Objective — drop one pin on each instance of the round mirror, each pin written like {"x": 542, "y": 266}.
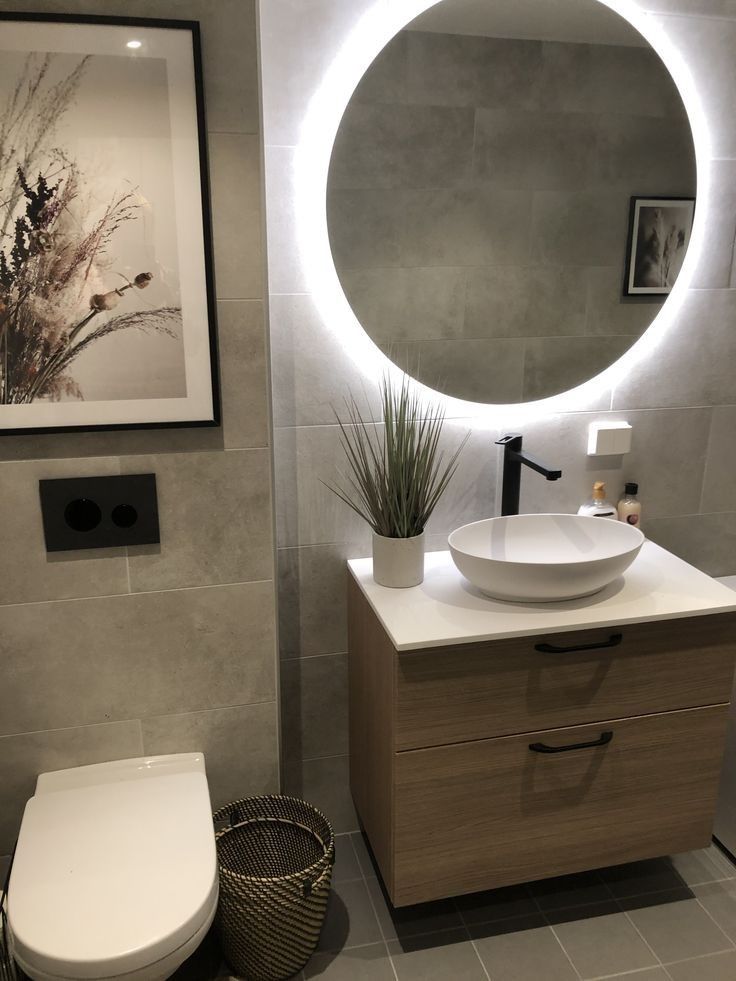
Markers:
{"x": 510, "y": 195}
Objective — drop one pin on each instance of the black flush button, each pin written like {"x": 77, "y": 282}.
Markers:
{"x": 99, "y": 512}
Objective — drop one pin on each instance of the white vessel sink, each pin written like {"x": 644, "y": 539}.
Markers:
{"x": 543, "y": 558}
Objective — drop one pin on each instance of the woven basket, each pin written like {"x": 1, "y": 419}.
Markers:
{"x": 275, "y": 856}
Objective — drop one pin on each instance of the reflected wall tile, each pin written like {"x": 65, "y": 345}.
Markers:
{"x": 239, "y": 746}
{"x": 324, "y": 783}
{"x": 537, "y": 150}
{"x": 88, "y": 661}
{"x": 311, "y": 371}
{"x": 456, "y": 70}
{"x": 385, "y": 79}
{"x": 314, "y": 707}
{"x": 557, "y": 364}
{"x": 201, "y": 543}
{"x": 366, "y": 228}
{"x": 480, "y": 226}
{"x": 235, "y": 164}
{"x": 23, "y": 757}
{"x": 313, "y": 583}
{"x": 719, "y": 486}
{"x": 563, "y": 232}
{"x": 28, "y": 573}
{"x": 485, "y": 370}
{"x": 609, "y": 311}
{"x": 693, "y": 365}
{"x": 243, "y": 373}
{"x": 524, "y": 301}
{"x": 716, "y": 267}
{"x": 707, "y": 541}
{"x": 630, "y": 149}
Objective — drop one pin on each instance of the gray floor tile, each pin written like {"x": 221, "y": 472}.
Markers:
{"x": 369, "y": 963}
{"x": 522, "y": 950}
{"x": 719, "y": 899}
{"x": 496, "y": 904}
{"x": 719, "y": 967}
{"x": 650, "y": 974}
{"x": 639, "y": 878}
{"x": 436, "y": 958}
{"x": 569, "y": 890}
{"x": 350, "y": 920}
{"x": 601, "y": 940}
{"x": 700, "y": 866}
{"x": 674, "y": 926}
{"x": 362, "y": 850}
{"x": 722, "y": 861}
{"x": 347, "y": 866}
{"x": 412, "y": 921}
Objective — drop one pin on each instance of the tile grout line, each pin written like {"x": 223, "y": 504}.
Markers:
{"x": 545, "y": 919}
{"x": 717, "y": 925}
{"x": 644, "y": 939}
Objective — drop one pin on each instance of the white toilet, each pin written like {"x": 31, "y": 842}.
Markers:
{"x": 115, "y": 872}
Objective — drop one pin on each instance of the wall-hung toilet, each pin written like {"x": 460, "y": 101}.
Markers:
{"x": 115, "y": 872}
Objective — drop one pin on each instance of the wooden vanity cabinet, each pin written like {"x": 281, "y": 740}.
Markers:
{"x": 452, "y": 795}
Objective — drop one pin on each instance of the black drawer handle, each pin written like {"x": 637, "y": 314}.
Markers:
{"x": 605, "y": 738}
{"x": 613, "y": 641}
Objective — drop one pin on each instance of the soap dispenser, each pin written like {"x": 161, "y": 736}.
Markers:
{"x": 598, "y": 506}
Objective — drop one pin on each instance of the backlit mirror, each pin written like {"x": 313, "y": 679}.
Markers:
{"x": 510, "y": 195}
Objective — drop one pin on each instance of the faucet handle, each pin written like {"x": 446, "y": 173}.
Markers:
{"x": 510, "y": 438}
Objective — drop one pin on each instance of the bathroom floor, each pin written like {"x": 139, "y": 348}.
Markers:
{"x": 670, "y": 919}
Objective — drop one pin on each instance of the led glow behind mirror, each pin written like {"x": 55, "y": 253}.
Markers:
{"x": 368, "y": 37}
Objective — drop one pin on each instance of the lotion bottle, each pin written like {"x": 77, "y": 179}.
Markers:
{"x": 629, "y": 507}
{"x": 598, "y": 506}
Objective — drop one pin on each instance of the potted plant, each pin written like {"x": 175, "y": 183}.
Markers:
{"x": 397, "y": 474}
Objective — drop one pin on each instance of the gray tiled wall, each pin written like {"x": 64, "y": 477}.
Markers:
{"x": 681, "y": 400}
{"x": 490, "y": 182}
{"x": 106, "y": 655}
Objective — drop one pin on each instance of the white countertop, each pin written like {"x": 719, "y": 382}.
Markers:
{"x": 446, "y": 609}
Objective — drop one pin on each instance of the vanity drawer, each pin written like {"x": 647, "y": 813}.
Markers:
{"x": 493, "y": 812}
{"x": 453, "y": 694}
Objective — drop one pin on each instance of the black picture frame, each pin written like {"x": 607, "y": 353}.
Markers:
{"x": 658, "y": 238}
{"x": 191, "y": 27}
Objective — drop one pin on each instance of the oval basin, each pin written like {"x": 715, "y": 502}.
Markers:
{"x": 544, "y": 558}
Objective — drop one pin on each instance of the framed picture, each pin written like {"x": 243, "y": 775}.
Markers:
{"x": 106, "y": 298}
{"x": 659, "y": 234}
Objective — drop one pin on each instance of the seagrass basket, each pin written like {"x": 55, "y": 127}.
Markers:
{"x": 275, "y": 856}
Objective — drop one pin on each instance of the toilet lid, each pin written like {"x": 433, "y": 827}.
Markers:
{"x": 109, "y": 879}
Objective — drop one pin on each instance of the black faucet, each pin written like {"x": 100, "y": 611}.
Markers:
{"x": 513, "y": 458}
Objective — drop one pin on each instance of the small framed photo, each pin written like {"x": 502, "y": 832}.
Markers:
{"x": 106, "y": 296}
{"x": 659, "y": 235}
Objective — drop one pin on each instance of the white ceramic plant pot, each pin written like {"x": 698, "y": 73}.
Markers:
{"x": 398, "y": 562}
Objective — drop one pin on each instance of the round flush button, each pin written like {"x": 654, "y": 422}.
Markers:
{"x": 82, "y": 514}
{"x": 124, "y": 515}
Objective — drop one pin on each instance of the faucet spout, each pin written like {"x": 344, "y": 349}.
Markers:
{"x": 513, "y": 460}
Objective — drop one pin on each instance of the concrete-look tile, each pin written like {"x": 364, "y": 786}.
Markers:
{"x": 23, "y": 757}
{"x": 243, "y": 373}
{"x": 369, "y": 963}
{"x": 326, "y": 784}
{"x": 452, "y": 70}
{"x": 524, "y": 301}
{"x": 313, "y": 583}
{"x": 314, "y": 707}
{"x": 675, "y": 928}
{"x": 485, "y": 370}
{"x": 407, "y": 304}
{"x": 717, "y": 967}
{"x": 563, "y": 232}
{"x": 707, "y": 46}
{"x": 203, "y": 542}
{"x": 236, "y": 215}
{"x": 383, "y": 146}
{"x": 368, "y": 865}
{"x": 557, "y": 364}
{"x": 707, "y": 541}
{"x": 496, "y": 904}
{"x": 366, "y": 230}
{"x": 411, "y": 921}
{"x": 702, "y": 866}
{"x": 541, "y": 151}
{"x": 601, "y": 941}
{"x": 522, "y": 950}
{"x": 564, "y": 891}
{"x": 609, "y": 311}
{"x": 640, "y": 151}
{"x": 719, "y": 899}
{"x": 240, "y": 746}
{"x": 347, "y": 867}
{"x": 479, "y": 226}
{"x": 704, "y": 8}
{"x": 385, "y": 78}
{"x": 130, "y": 657}
{"x": 350, "y": 920}
{"x": 27, "y": 572}
{"x": 436, "y": 958}
{"x": 649, "y": 974}
{"x": 285, "y": 271}
{"x": 692, "y": 365}
{"x": 471, "y": 493}
{"x": 304, "y": 393}
{"x": 719, "y": 482}
{"x": 640, "y": 878}
{"x": 716, "y": 267}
